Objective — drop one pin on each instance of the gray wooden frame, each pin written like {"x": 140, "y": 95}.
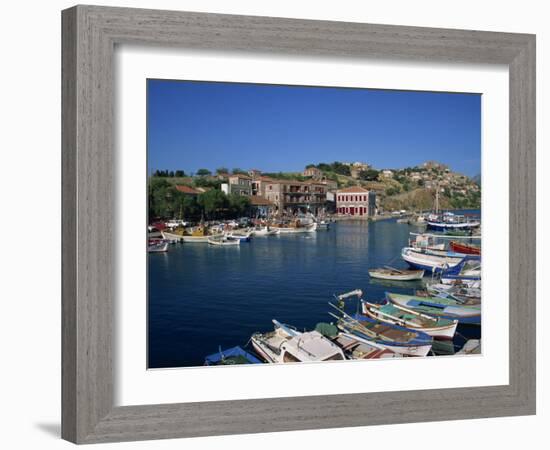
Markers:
{"x": 89, "y": 36}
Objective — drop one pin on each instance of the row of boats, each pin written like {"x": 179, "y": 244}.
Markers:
{"x": 399, "y": 325}
{"x": 386, "y": 330}
{"x": 223, "y": 234}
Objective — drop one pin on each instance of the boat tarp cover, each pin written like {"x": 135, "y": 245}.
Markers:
{"x": 327, "y": 329}
{"x": 393, "y": 311}
{"x": 235, "y": 355}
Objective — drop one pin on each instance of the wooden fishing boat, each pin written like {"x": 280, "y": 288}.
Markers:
{"x": 457, "y": 292}
{"x": 437, "y": 327}
{"x": 396, "y": 338}
{"x": 231, "y": 356}
{"x": 428, "y": 262}
{"x": 352, "y": 348}
{"x": 446, "y": 308}
{"x": 198, "y": 235}
{"x": 223, "y": 241}
{"x": 286, "y": 345}
{"x": 451, "y": 222}
{"x": 393, "y": 337}
{"x": 464, "y": 248}
{"x": 355, "y": 349}
{"x": 390, "y": 273}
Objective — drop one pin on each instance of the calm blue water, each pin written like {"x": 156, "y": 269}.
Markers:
{"x": 202, "y": 297}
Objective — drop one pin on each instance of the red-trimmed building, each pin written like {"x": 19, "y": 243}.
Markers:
{"x": 355, "y": 201}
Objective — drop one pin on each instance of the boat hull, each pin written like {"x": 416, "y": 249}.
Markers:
{"x": 417, "y": 275}
{"x": 438, "y": 308}
{"x": 444, "y": 226}
{"x": 446, "y": 332}
{"x": 464, "y": 248}
{"x": 428, "y": 262}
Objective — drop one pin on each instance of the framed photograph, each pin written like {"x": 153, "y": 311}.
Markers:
{"x": 277, "y": 224}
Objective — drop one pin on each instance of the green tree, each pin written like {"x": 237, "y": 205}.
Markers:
{"x": 203, "y": 172}
{"x": 161, "y": 197}
{"x": 369, "y": 175}
{"x": 214, "y": 203}
{"x": 238, "y": 171}
{"x": 222, "y": 170}
{"x": 341, "y": 169}
{"x": 180, "y": 173}
{"x": 238, "y": 205}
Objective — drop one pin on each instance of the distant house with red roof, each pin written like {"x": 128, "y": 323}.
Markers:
{"x": 355, "y": 201}
{"x": 187, "y": 190}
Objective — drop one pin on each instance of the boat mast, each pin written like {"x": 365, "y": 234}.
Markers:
{"x": 436, "y": 205}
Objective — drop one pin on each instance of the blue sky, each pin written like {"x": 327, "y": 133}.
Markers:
{"x": 194, "y": 125}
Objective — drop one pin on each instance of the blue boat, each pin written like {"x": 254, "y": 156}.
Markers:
{"x": 468, "y": 270}
{"x": 393, "y": 337}
{"x": 231, "y": 356}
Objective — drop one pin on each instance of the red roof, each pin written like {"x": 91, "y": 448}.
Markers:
{"x": 187, "y": 189}
{"x": 352, "y": 189}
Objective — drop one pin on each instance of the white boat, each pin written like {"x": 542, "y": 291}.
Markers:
{"x": 429, "y": 262}
{"x": 223, "y": 241}
{"x": 323, "y": 225}
{"x": 426, "y": 241}
{"x": 157, "y": 247}
{"x": 453, "y": 290}
{"x": 285, "y": 345}
{"x": 241, "y": 235}
{"x": 436, "y": 327}
{"x": 473, "y": 284}
{"x": 354, "y": 349}
{"x": 265, "y": 231}
{"x": 389, "y": 273}
{"x": 302, "y": 229}
{"x": 471, "y": 347}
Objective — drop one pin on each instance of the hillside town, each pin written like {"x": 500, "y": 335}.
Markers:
{"x": 354, "y": 189}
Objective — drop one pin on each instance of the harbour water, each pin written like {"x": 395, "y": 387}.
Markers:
{"x": 203, "y": 297}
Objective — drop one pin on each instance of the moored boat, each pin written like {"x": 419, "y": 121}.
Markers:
{"x": 298, "y": 229}
{"x": 396, "y": 338}
{"x": 428, "y": 262}
{"x": 355, "y": 349}
{"x": 471, "y": 347}
{"x": 464, "y": 248}
{"x": 231, "y": 356}
{"x": 285, "y": 345}
{"x": 243, "y": 236}
{"x": 437, "y": 327}
{"x": 265, "y": 231}
{"x": 157, "y": 247}
{"x": 446, "y": 308}
{"x": 223, "y": 241}
{"x": 390, "y": 273}
{"x": 393, "y": 337}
